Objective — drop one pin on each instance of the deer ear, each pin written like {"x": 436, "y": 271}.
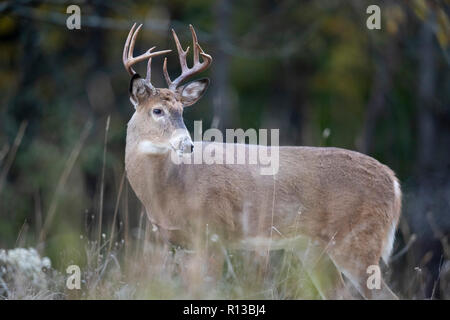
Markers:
{"x": 190, "y": 93}
{"x": 139, "y": 90}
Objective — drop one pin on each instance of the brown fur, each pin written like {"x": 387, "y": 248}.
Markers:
{"x": 343, "y": 199}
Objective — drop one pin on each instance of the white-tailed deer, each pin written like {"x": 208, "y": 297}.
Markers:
{"x": 347, "y": 203}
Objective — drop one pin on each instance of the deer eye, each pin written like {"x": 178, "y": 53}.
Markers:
{"x": 157, "y": 111}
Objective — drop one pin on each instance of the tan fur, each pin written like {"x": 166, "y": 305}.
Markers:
{"x": 341, "y": 198}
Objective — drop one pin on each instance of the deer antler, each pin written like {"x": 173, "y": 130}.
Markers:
{"x": 187, "y": 72}
{"x": 129, "y": 60}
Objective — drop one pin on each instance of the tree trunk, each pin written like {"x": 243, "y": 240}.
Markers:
{"x": 221, "y": 97}
{"x": 426, "y": 91}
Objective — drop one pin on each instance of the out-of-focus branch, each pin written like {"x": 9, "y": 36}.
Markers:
{"x": 425, "y": 98}
{"x": 91, "y": 21}
{"x": 221, "y": 94}
{"x": 12, "y": 154}
{"x": 161, "y": 27}
{"x": 381, "y": 87}
{"x": 63, "y": 179}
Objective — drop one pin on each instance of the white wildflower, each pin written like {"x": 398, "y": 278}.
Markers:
{"x": 22, "y": 267}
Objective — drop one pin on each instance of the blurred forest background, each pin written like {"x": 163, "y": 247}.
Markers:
{"x": 311, "y": 68}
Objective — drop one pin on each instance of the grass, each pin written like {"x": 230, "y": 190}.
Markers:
{"x": 142, "y": 269}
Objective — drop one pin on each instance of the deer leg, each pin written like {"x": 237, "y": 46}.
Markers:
{"x": 215, "y": 260}
{"x": 328, "y": 280}
{"x": 360, "y": 281}
{"x": 323, "y": 273}
{"x": 361, "y": 267}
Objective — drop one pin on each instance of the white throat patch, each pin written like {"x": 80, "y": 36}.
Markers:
{"x": 148, "y": 147}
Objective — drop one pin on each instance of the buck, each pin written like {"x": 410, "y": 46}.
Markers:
{"x": 337, "y": 207}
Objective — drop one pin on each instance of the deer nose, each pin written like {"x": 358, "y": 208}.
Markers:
{"x": 186, "y": 145}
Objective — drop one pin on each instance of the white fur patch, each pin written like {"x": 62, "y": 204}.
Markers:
{"x": 397, "y": 191}
{"x": 133, "y": 102}
{"x": 193, "y": 90}
{"x": 159, "y": 117}
{"x": 148, "y": 147}
{"x": 389, "y": 244}
{"x": 178, "y": 136}
{"x": 387, "y": 250}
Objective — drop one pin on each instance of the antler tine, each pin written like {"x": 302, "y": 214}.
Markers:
{"x": 126, "y": 48}
{"x": 207, "y": 57}
{"x": 166, "y": 74}
{"x": 129, "y": 60}
{"x": 149, "y": 70}
{"x": 187, "y": 72}
{"x": 181, "y": 53}
{"x": 195, "y": 42}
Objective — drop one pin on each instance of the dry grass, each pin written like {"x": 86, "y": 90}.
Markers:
{"x": 144, "y": 269}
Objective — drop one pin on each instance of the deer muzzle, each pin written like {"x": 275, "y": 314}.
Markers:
{"x": 181, "y": 141}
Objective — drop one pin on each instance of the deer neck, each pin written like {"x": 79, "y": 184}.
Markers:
{"x": 147, "y": 174}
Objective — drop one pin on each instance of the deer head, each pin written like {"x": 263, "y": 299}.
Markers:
{"x": 158, "y": 116}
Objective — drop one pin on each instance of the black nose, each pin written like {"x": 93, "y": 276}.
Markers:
{"x": 192, "y": 148}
